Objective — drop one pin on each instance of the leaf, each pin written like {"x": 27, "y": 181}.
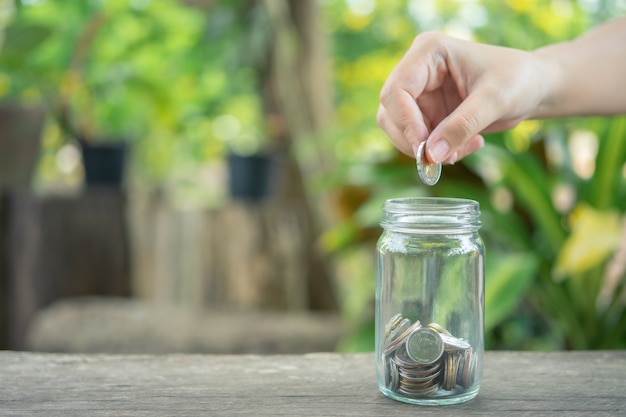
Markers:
{"x": 19, "y": 39}
{"x": 595, "y": 236}
{"x": 508, "y": 277}
{"x": 502, "y": 226}
{"x": 527, "y": 179}
{"x": 611, "y": 154}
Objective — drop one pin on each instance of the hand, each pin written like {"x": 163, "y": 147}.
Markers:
{"x": 449, "y": 91}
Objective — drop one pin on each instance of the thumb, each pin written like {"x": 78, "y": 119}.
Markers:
{"x": 452, "y": 134}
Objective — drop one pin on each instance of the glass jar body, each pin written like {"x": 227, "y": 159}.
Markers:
{"x": 429, "y": 301}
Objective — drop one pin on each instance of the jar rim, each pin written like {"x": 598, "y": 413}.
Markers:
{"x": 429, "y": 203}
{"x": 431, "y": 215}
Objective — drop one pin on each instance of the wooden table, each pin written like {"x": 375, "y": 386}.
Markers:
{"x": 515, "y": 384}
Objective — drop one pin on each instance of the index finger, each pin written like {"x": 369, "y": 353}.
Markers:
{"x": 403, "y": 114}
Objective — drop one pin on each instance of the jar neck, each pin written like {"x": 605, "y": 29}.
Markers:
{"x": 431, "y": 215}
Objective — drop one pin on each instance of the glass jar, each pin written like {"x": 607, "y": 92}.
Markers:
{"x": 429, "y": 301}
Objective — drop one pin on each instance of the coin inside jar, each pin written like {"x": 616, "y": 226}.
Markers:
{"x": 429, "y": 173}
{"x": 439, "y": 329}
{"x": 397, "y": 341}
{"x": 399, "y": 330}
{"x": 452, "y": 343}
{"x": 393, "y": 323}
{"x": 420, "y": 362}
{"x": 424, "y": 345}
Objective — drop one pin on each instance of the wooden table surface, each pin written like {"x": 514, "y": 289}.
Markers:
{"x": 324, "y": 384}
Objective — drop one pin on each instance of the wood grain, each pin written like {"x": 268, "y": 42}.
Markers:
{"x": 325, "y": 384}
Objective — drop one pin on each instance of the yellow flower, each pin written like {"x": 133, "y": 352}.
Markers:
{"x": 594, "y": 238}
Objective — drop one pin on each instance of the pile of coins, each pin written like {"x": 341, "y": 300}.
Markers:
{"x": 419, "y": 361}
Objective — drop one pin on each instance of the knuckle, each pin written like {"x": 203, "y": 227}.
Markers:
{"x": 427, "y": 37}
{"x": 463, "y": 127}
{"x": 408, "y": 131}
{"x": 430, "y": 40}
{"x": 380, "y": 116}
{"x": 386, "y": 95}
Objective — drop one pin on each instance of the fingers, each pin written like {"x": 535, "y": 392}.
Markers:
{"x": 399, "y": 114}
{"x": 423, "y": 78}
{"x": 400, "y": 117}
{"x": 437, "y": 85}
{"x": 461, "y": 149}
{"x": 459, "y": 134}
{"x": 474, "y": 144}
{"x": 395, "y": 134}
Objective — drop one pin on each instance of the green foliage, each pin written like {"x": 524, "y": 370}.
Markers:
{"x": 574, "y": 241}
{"x": 182, "y": 82}
{"x": 508, "y": 278}
{"x": 157, "y": 73}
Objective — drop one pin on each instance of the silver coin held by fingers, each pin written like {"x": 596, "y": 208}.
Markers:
{"x": 428, "y": 173}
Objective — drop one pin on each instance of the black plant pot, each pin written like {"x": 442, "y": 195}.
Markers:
{"x": 104, "y": 163}
{"x": 250, "y": 176}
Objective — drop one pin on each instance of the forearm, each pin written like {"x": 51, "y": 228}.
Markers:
{"x": 586, "y": 76}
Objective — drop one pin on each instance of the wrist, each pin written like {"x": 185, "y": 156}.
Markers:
{"x": 551, "y": 83}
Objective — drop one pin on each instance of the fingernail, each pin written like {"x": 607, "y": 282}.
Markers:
{"x": 439, "y": 151}
{"x": 415, "y": 149}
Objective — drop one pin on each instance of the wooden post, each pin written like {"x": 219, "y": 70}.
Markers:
{"x": 4, "y": 312}
{"x": 297, "y": 97}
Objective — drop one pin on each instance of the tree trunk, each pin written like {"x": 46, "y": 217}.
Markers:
{"x": 297, "y": 104}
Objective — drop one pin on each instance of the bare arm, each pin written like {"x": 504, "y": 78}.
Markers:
{"x": 589, "y": 74}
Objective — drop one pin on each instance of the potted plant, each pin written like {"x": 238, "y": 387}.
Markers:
{"x": 256, "y": 139}
{"x": 53, "y": 76}
{"x": 94, "y": 75}
{"x": 120, "y": 72}
{"x": 103, "y": 146}
{"x": 250, "y": 175}
{"x": 248, "y": 160}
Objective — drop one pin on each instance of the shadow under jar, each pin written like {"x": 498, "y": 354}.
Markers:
{"x": 430, "y": 301}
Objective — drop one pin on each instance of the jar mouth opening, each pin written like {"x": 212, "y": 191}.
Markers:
{"x": 431, "y": 215}
{"x": 430, "y": 204}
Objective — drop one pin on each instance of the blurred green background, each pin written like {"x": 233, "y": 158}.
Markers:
{"x": 185, "y": 82}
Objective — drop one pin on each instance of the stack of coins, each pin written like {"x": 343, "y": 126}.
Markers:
{"x": 420, "y": 361}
